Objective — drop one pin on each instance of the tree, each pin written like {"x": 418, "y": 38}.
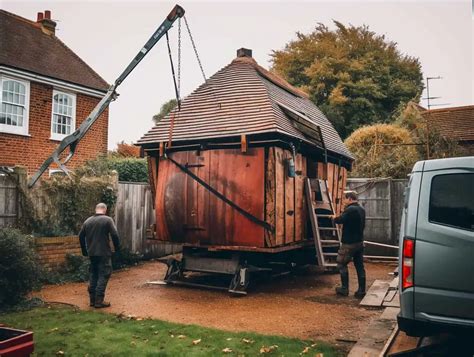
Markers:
{"x": 126, "y": 150}
{"x": 382, "y": 150}
{"x": 165, "y": 109}
{"x": 355, "y": 76}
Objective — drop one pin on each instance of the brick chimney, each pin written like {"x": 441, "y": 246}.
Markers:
{"x": 48, "y": 26}
{"x": 244, "y": 52}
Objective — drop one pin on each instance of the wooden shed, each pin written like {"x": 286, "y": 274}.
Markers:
{"x": 228, "y": 169}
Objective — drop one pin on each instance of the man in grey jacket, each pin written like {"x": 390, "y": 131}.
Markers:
{"x": 95, "y": 243}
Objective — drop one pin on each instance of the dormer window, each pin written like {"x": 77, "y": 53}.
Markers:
{"x": 14, "y": 101}
{"x": 63, "y": 121}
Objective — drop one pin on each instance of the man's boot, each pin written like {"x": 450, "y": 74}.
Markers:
{"x": 91, "y": 296}
{"x": 100, "y": 303}
{"x": 360, "y": 293}
{"x": 343, "y": 290}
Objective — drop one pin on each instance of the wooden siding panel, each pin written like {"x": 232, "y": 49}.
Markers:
{"x": 270, "y": 192}
{"x": 300, "y": 202}
{"x": 289, "y": 201}
{"x": 280, "y": 196}
{"x": 239, "y": 177}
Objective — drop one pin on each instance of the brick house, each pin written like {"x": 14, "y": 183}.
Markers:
{"x": 46, "y": 93}
{"x": 456, "y": 123}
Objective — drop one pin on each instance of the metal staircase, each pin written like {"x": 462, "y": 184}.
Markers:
{"x": 326, "y": 235}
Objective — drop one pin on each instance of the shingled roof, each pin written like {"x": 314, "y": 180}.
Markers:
{"x": 25, "y": 46}
{"x": 244, "y": 98}
{"x": 455, "y": 123}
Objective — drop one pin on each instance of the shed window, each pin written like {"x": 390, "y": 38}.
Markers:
{"x": 452, "y": 200}
{"x": 14, "y": 106}
{"x": 63, "y": 120}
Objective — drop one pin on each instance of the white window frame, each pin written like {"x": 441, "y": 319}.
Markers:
{"x": 57, "y": 136}
{"x": 11, "y": 129}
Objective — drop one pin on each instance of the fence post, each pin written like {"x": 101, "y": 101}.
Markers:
{"x": 22, "y": 179}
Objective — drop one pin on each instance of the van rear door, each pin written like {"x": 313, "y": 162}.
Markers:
{"x": 444, "y": 248}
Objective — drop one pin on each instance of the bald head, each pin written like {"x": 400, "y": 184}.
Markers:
{"x": 101, "y": 208}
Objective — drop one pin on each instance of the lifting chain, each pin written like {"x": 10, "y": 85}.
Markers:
{"x": 195, "y": 49}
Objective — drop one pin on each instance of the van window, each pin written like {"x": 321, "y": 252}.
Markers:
{"x": 452, "y": 200}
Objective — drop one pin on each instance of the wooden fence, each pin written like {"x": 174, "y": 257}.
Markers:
{"x": 9, "y": 201}
{"x": 134, "y": 214}
{"x": 383, "y": 202}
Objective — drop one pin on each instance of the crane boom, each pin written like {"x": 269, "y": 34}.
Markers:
{"x": 73, "y": 139}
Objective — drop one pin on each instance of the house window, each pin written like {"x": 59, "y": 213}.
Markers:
{"x": 63, "y": 121}
{"x": 14, "y": 103}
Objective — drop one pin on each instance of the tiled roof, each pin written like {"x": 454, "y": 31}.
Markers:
{"x": 23, "y": 45}
{"x": 243, "y": 98}
{"x": 456, "y": 123}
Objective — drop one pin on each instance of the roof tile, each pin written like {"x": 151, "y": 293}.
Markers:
{"x": 24, "y": 46}
{"x": 243, "y": 98}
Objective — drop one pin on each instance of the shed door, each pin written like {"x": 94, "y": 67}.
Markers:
{"x": 196, "y": 224}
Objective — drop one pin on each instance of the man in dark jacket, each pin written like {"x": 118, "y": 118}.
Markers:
{"x": 95, "y": 243}
{"x": 352, "y": 247}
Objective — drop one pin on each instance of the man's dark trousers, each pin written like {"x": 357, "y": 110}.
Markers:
{"x": 346, "y": 253}
{"x": 352, "y": 247}
{"x": 100, "y": 271}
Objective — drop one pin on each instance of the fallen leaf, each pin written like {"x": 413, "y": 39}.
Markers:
{"x": 181, "y": 337}
{"x": 133, "y": 343}
{"x": 319, "y": 355}
{"x": 139, "y": 319}
{"x": 229, "y": 338}
{"x": 245, "y": 340}
{"x": 227, "y": 350}
{"x": 268, "y": 349}
{"x": 314, "y": 345}
{"x": 172, "y": 336}
{"x": 60, "y": 353}
{"x": 196, "y": 342}
{"x": 54, "y": 329}
{"x": 306, "y": 350}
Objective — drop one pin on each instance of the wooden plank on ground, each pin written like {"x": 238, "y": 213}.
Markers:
{"x": 372, "y": 343}
{"x": 376, "y": 293}
{"x": 390, "y": 295}
{"x": 394, "y": 302}
{"x": 394, "y": 283}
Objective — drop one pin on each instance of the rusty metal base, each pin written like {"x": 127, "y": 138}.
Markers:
{"x": 241, "y": 266}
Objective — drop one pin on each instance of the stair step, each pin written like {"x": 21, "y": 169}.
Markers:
{"x": 323, "y": 215}
{"x": 329, "y": 241}
{"x": 330, "y": 265}
{"x": 327, "y": 229}
{"x": 330, "y": 254}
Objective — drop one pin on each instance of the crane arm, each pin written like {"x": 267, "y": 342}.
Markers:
{"x": 73, "y": 139}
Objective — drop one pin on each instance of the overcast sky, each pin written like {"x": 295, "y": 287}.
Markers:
{"x": 107, "y": 35}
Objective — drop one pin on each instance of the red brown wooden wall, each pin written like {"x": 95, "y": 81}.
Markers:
{"x": 256, "y": 180}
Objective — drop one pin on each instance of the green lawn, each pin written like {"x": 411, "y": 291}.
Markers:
{"x": 70, "y": 332}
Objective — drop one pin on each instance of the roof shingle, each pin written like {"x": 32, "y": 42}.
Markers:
{"x": 456, "y": 122}
{"x": 24, "y": 46}
{"x": 243, "y": 98}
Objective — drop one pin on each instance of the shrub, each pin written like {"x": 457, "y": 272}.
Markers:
{"x": 18, "y": 266}
{"x": 129, "y": 169}
{"x": 382, "y": 150}
{"x": 60, "y": 205}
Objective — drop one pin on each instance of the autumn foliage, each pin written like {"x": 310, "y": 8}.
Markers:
{"x": 382, "y": 150}
{"x": 127, "y": 150}
{"x": 354, "y": 75}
